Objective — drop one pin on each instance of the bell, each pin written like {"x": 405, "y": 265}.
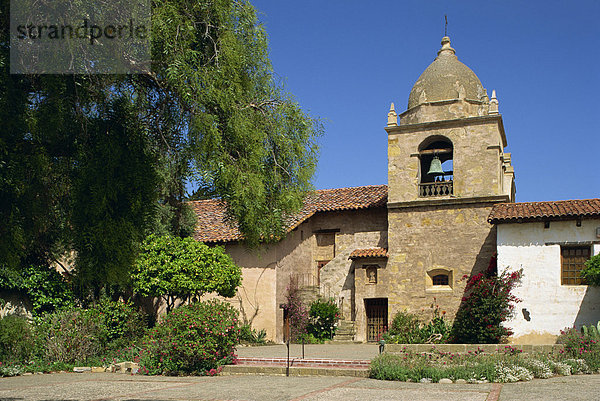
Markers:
{"x": 436, "y": 167}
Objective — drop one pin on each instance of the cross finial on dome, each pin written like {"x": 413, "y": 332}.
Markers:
{"x": 446, "y": 25}
{"x": 446, "y": 48}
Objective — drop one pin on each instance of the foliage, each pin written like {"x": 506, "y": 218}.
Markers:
{"x": 45, "y": 287}
{"x": 476, "y": 367}
{"x": 121, "y": 322}
{"x": 70, "y": 335}
{"x": 407, "y": 329}
{"x": 324, "y": 315}
{"x": 591, "y": 331}
{"x": 17, "y": 339}
{"x": 94, "y": 163}
{"x": 191, "y": 339}
{"x": 591, "y": 272}
{"x": 248, "y": 335}
{"x": 181, "y": 268}
{"x": 487, "y": 303}
{"x": 577, "y": 343}
{"x": 296, "y": 312}
{"x": 432, "y": 367}
{"x": 110, "y": 215}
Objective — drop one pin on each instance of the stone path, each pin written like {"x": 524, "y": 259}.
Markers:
{"x": 111, "y": 386}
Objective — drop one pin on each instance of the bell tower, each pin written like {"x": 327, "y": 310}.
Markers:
{"x": 449, "y": 120}
{"x": 446, "y": 169}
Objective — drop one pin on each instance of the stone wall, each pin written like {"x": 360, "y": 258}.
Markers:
{"x": 267, "y": 270}
{"x": 452, "y": 238}
{"x": 358, "y": 230}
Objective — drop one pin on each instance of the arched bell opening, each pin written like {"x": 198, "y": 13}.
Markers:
{"x": 436, "y": 156}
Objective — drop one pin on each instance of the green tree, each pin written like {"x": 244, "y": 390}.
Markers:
{"x": 176, "y": 268}
{"x": 94, "y": 163}
{"x": 591, "y": 271}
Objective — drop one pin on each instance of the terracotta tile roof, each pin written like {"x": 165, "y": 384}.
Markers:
{"x": 369, "y": 253}
{"x": 552, "y": 210}
{"x": 214, "y": 227}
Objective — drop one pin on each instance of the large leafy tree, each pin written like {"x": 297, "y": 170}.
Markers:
{"x": 178, "y": 269}
{"x": 93, "y": 163}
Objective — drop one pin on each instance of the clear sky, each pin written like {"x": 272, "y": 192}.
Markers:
{"x": 346, "y": 61}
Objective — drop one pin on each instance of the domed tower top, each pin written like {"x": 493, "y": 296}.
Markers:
{"x": 447, "y": 79}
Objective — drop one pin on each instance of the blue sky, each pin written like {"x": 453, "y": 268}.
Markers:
{"x": 345, "y": 61}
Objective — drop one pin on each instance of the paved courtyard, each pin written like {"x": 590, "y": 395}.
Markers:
{"x": 111, "y": 386}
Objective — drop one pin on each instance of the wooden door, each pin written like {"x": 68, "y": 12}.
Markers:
{"x": 286, "y": 326}
{"x": 377, "y": 317}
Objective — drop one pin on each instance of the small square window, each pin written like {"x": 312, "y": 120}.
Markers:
{"x": 573, "y": 260}
{"x": 440, "y": 279}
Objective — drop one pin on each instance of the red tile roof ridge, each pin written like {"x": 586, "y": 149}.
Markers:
{"x": 377, "y": 252}
{"x": 355, "y": 187}
{"x": 213, "y": 226}
{"x": 507, "y": 212}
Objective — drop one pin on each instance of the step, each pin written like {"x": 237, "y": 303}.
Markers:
{"x": 309, "y": 362}
{"x": 294, "y": 371}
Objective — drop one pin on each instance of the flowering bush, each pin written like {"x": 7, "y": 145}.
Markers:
{"x": 323, "y": 317}
{"x": 576, "y": 343}
{"x": 538, "y": 368}
{"x": 512, "y": 373}
{"x": 296, "y": 312}
{"x": 487, "y": 303}
{"x": 192, "y": 339}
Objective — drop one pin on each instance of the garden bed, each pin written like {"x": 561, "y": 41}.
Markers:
{"x": 475, "y": 348}
{"x": 481, "y": 363}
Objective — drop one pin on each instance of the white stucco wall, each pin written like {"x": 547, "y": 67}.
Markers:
{"x": 549, "y": 305}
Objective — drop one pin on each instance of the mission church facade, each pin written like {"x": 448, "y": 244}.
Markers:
{"x": 377, "y": 250}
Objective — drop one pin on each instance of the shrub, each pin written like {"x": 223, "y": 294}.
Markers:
{"x": 538, "y": 368}
{"x": 70, "y": 335}
{"x": 591, "y": 271}
{"x": 578, "y": 366}
{"x": 248, "y": 335}
{"x": 406, "y": 328}
{"x": 17, "y": 339}
{"x": 192, "y": 339}
{"x": 508, "y": 373}
{"x": 121, "y": 323}
{"x": 488, "y": 302}
{"x": 323, "y": 317}
{"x": 415, "y": 367}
